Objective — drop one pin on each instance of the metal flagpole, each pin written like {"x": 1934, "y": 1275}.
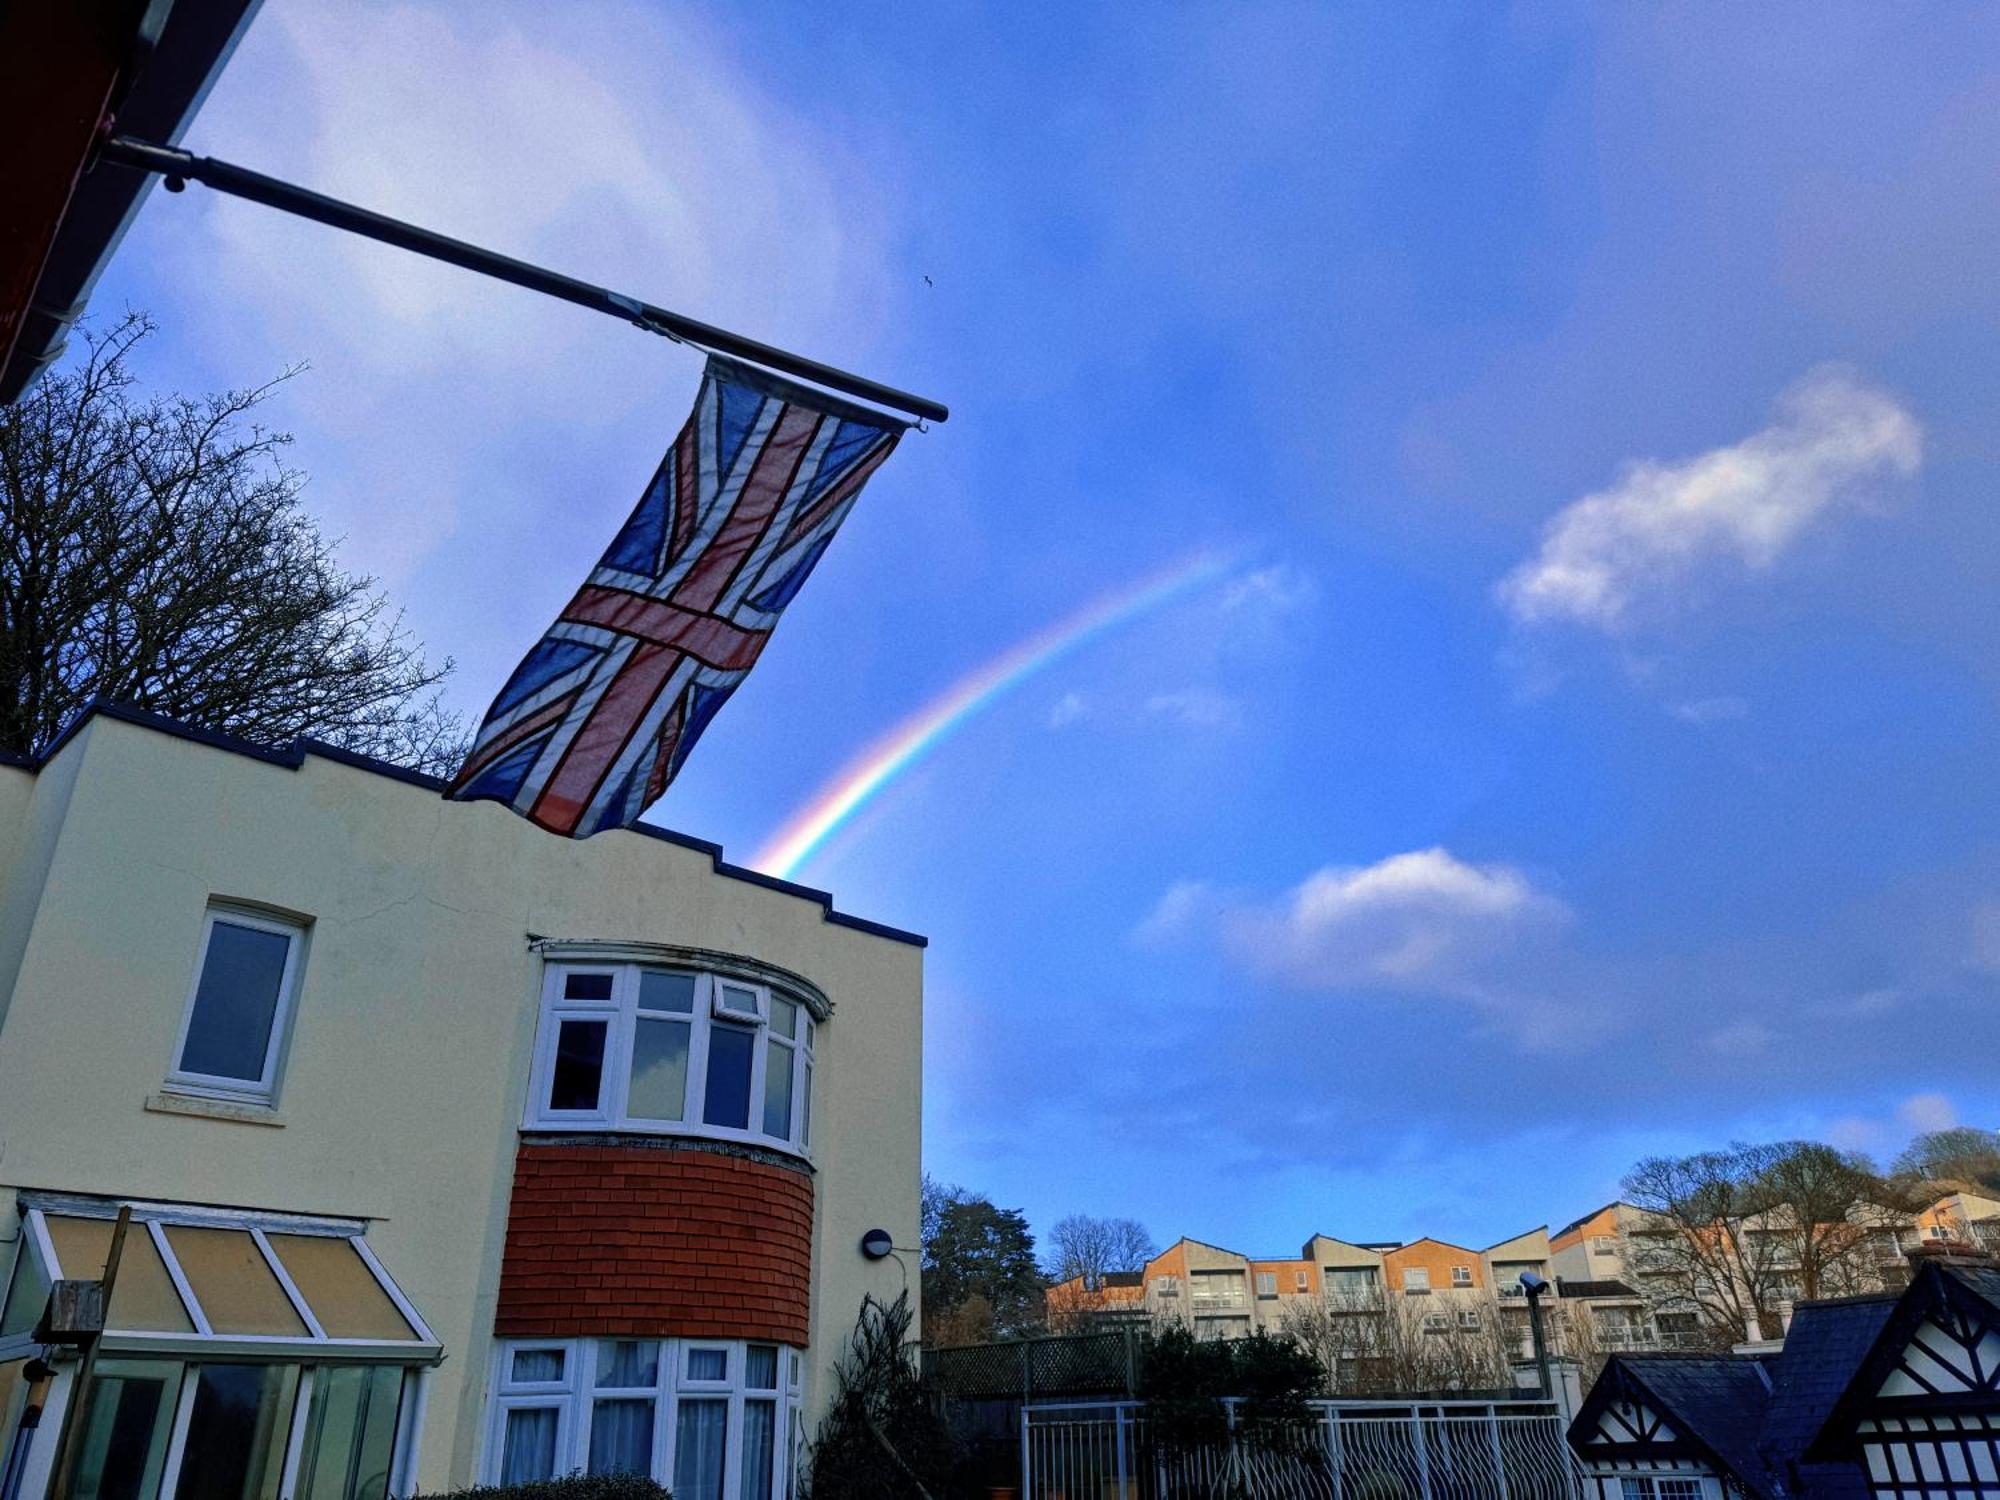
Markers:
{"x": 180, "y": 167}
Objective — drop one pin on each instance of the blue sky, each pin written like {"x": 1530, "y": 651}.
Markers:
{"x": 1593, "y": 754}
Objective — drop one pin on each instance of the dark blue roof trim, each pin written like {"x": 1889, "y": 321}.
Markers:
{"x": 293, "y": 756}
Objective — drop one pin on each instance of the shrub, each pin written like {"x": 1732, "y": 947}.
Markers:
{"x": 571, "y": 1487}
{"x": 881, "y": 1438}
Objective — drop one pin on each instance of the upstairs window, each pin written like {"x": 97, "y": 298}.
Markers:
{"x": 1267, "y": 1284}
{"x": 1416, "y": 1281}
{"x": 674, "y": 1051}
{"x": 233, "y": 1030}
{"x": 1461, "y": 1276}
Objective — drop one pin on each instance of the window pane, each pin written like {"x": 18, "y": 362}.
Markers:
{"x": 708, "y": 1364}
{"x": 760, "y": 1440}
{"x": 806, "y": 1109}
{"x": 728, "y": 1100}
{"x": 125, "y": 1439}
{"x": 760, "y": 1368}
{"x": 532, "y": 1365}
{"x": 228, "y": 1276}
{"x": 350, "y": 1438}
{"x": 338, "y": 1286}
{"x": 659, "y": 1070}
{"x": 529, "y": 1451}
{"x": 735, "y": 997}
{"x": 778, "y": 1090}
{"x": 587, "y": 987}
{"x": 621, "y": 1437}
{"x": 784, "y": 1017}
{"x": 28, "y": 1293}
{"x": 700, "y": 1432}
{"x": 659, "y": 990}
{"x": 236, "y": 1434}
{"x": 625, "y": 1363}
{"x": 144, "y": 1298}
{"x": 579, "y": 1068}
{"x": 236, "y": 1002}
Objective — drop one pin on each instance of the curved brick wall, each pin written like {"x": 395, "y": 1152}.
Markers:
{"x": 655, "y": 1239}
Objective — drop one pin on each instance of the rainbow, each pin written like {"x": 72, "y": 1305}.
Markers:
{"x": 864, "y": 777}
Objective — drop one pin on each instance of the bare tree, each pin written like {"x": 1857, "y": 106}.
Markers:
{"x": 153, "y": 552}
{"x": 1733, "y": 1236}
{"x": 1088, "y": 1248}
{"x": 1377, "y": 1345}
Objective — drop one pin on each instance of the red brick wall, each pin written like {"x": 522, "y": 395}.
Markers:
{"x": 634, "y": 1239}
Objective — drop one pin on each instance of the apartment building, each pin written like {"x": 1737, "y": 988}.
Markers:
{"x": 1602, "y": 1272}
{"x": 453, "y": 1151}
{"x": 1222, "y": 1293}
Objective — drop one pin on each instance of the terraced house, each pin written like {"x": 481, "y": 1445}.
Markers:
{"x": 451, "y": 1150}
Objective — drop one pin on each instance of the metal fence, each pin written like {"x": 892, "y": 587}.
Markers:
{"x": 1350, "y": 1450}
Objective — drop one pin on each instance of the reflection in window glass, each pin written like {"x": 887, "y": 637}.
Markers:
{"x": 760, "y": 1448}
{"x": 777, "y": 1090}
{"x": 236, "y": 1434}
{"x": 659, "y": 1070}
{"x": 784, "y": 1017}
{"x": 27, "y": 1294}
{"x": 700, "y": 1437}
{"x": 623, "y": 1364}
{"x": 660, "y": 990}
{"x": 532, "y": 1366}
{"x": 579, "y": 1070}
{"x": 735, "y": 997}
{"x": 621, "y": 1436}
{"x": 125, "y": 1441}
{"x": 529, "y": 1451}
{"x": 587, "y": 987}
{"x": 806, "y": 1110}
{"x": 728, "y": 1099}
{"x": 350, "y": 1436}
{"x": 235, "y": 1002}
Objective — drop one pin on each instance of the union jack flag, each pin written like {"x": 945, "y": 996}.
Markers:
{"x": 601, "y": 715}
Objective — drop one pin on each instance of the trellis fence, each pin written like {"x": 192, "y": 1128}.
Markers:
{"x": 1349, "y": 1450}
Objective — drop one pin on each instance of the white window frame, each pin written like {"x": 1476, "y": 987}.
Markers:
{"x": 1267, "y": 1284}
{"x": 1461, "y": 1276}
{"x": 264, "y": 1088}
{"x": 1416, "y": 1280}
{"x": 574, "y": 1399}
{"x": 1301, "y": 1283}
{"x": 621, "y": 1013}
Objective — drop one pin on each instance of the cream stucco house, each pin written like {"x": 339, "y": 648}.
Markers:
{"x": 455, "y": 1151}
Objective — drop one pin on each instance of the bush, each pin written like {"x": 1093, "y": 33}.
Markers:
{"x": 572, "y": 1487}
{"x": 1186, "y": 1380}
{"x": 881, "y": 1438}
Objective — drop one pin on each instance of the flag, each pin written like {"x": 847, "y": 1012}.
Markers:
{"x": 601, "y": 715}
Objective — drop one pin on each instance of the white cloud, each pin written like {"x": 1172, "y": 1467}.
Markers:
{"x": 1710, "y": 710}
{"x": 1986, "y": 936}
{"x": 1740, "y": 1038}
{"x": 1922, "y": 1112}
{"x": 1067, "y": 709}
{"x": 1196, "y": 708}
{"x": 1831, "y": 440}
{"x": 1424, "y": 919}
{"x": 616, "y": 142}
{"x": 1278, "y": 589}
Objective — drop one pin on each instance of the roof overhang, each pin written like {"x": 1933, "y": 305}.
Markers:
{"x": 69, "y": 70}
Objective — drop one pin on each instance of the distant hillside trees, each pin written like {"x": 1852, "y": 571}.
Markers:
{"x": 153, "y": 551}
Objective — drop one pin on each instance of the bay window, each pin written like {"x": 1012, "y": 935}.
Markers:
{"x": 711, "y": 1419}
{"x": 672, "y": 1050}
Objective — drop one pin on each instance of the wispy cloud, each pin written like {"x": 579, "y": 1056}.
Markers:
{"x": 1831, "y": 441}
{"x": 1067, "y": 710}
{"x": 1710, "y": 710}
{"x": 1424, "y": 919}
{"x": 1196, "y": 708}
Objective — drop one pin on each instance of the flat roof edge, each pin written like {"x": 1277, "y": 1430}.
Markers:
{"x": 292, "y": 756}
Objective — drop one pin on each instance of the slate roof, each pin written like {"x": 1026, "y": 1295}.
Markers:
{"x": 1719, "y": 1400}
{"x": 1823, "y": 1348}
{"x": 1758, "y": 1416}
